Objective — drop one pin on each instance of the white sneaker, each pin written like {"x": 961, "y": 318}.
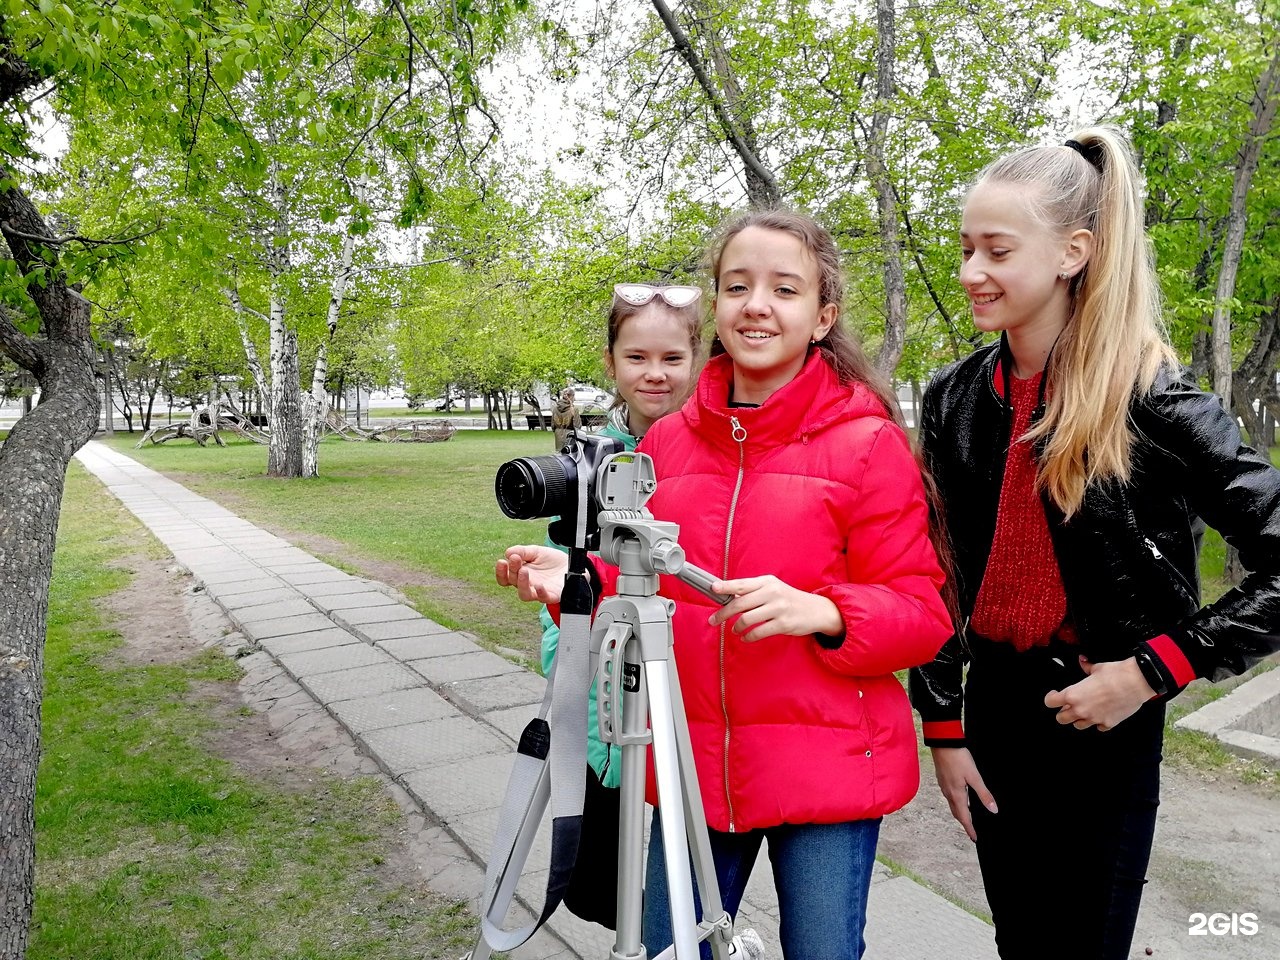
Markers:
{"x": 747, "y": 945}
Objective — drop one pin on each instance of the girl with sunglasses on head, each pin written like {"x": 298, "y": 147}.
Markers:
{"x": 652, "y": 352}
{"x": 791, "y": 477}
{"x": 1076, "y": 462}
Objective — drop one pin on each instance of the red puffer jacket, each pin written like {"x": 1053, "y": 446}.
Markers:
{"x": 819, "y": 488}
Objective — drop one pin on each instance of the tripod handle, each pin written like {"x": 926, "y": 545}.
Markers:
{"x": 701, "y": 581}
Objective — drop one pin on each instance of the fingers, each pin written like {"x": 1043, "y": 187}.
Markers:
{"x": 763, "y": 607}
{"x": 531, "y": 589}
{"x": 502, "y": 573}
{"x": 959, "y": 804}
{"x": 980, "y": 790}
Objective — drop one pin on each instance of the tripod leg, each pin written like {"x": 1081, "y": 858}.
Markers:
{"x": 704, "y": 868}
{"x": 674, "y": 837}
{"x": 635, "y": 715}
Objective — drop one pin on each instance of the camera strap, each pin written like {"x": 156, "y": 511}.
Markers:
{"x": 548, "y": 768}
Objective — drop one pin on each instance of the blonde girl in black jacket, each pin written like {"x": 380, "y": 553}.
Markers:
{"x": 1077, "y": 466}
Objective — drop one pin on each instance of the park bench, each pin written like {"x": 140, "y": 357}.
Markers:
{"x": 592, "y": 421}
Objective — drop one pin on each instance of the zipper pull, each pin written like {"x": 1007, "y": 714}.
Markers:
{"x": 739, "y": 431}
{"x": 1155, "y": 551}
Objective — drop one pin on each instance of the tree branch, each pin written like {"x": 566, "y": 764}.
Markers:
{"x": 755, "y": 168}
{"x": 88, "y": 242}
{"x": 16, "y": 345}
{"x": 239, "y": 305}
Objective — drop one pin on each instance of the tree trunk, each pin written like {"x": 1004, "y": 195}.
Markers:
{"x": 250, "y": 350}
{"x": 33, "y": 466}
{"x": 1263, "y": 108}
{"x": 284, "y": 456}
{"x": 895, "y": 286}
{"x": 152, "y": 390}
{"x": 1264, "y": 111}
{"x": 314, "y": 404}
{"x": 108, "y": 404}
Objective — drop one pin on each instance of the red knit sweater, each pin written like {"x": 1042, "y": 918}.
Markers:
{"x": 1021, "y": 600}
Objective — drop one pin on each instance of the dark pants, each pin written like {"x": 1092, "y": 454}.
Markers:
{"x": 1065, "y": 859}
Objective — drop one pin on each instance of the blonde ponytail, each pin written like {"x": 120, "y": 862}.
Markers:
{"x": 1114, "y": 344}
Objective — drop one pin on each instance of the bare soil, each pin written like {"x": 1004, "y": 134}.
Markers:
{"x": 1217, "y": 843}
{"x": 273, "y": 732}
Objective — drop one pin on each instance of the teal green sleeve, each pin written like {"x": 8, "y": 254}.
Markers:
{"x": 550, "y": 639}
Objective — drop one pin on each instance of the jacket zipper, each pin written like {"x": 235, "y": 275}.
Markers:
{"x": 1168, "y": 565}
{"x": 739, "y": 437}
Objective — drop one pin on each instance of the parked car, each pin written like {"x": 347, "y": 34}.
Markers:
{"x": 586, "y": 395}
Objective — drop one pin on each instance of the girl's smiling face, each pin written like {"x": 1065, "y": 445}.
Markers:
{"x": 1012, "y": 264}
{"x": 768, "y": 309}
{"x": 652, "y": 364}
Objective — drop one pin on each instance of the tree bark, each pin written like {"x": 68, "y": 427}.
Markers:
{"x": 108, "y": 406}
{"x": 895, "y": 285}
{"x": 284, "y": 456}
{"x": 1263, "y": 108}
{"x": 315, "y": 404}
{"x": 33, "y": 466}
{"x": 735, "y": 123}
{"x": 250, "y": 349}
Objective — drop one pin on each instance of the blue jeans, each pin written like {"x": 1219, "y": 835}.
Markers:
{"x": 822, "y": 872}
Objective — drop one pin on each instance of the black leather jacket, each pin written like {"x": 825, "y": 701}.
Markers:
{"x": 1128, "y": 558}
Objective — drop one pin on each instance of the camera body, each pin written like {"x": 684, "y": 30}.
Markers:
{"x": 551, "y": 486}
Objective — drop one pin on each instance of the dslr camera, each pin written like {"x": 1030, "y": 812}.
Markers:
{"x": 552, "y": 486}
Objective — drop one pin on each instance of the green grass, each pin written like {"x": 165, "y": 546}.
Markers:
{"x": 393, "y": 412}
{"x": 428, "y": 508}
{"x": 152, "y": 847}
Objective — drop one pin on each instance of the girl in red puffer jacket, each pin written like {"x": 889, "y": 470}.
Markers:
{"x": 790, "y": 476}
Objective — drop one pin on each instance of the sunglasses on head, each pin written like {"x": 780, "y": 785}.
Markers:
{"x": 638, "y": 294}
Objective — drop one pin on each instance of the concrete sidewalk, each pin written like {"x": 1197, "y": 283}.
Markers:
{"x": 440, "y": 714}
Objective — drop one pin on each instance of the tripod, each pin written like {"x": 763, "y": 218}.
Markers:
{"x": 638, "y": 696}
{"x": 636, "y": 679}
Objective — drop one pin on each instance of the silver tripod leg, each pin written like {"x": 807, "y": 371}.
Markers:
{"x": 637, "y": 639}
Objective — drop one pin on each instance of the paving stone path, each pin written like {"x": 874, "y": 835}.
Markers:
{"x": 439, "y": 714}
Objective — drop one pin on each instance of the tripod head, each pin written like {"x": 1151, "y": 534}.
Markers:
{"x": 631, "y": 539}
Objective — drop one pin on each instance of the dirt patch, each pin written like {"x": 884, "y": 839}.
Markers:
{"x": 1217, "y": 850}
{"x": 267, "y": 726}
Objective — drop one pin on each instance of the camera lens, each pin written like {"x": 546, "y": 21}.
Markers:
{"x": 535, "y": 486}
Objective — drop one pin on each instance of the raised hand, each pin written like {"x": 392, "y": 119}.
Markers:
{"x": 536, "y": 572}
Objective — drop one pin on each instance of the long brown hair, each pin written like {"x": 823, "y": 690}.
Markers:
{"x": 1113, "y": 345}
{"x": 842, "y": 350}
